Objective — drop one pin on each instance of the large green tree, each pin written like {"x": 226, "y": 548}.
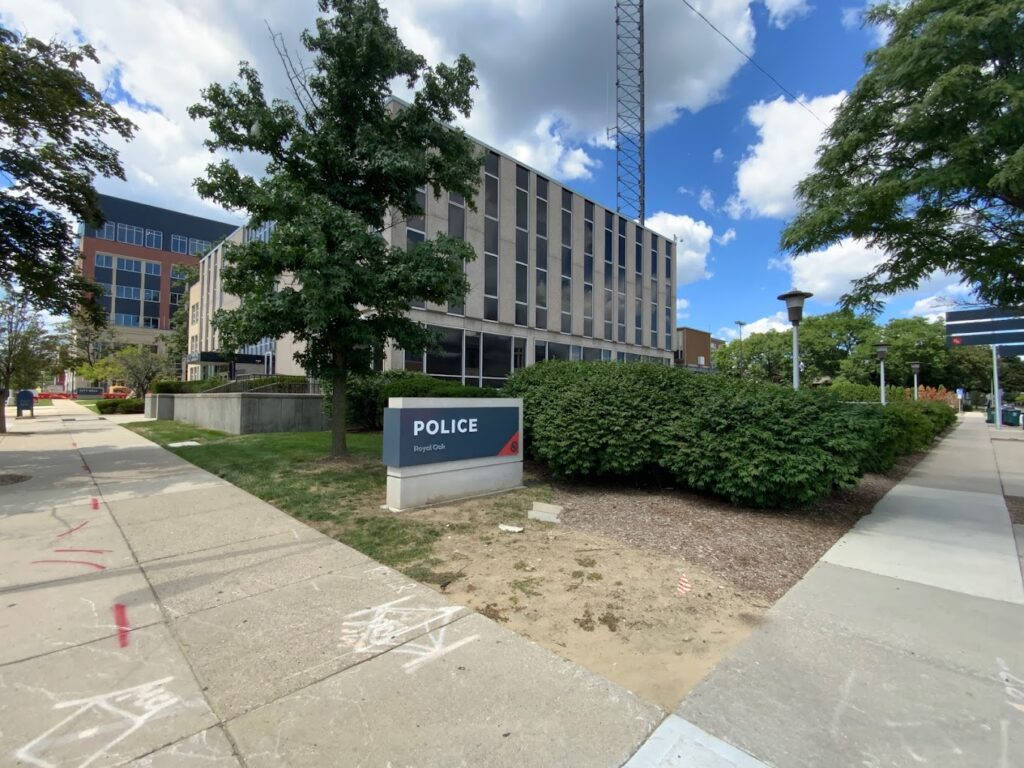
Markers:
{"x": 53, "y": 123}
{"x": 925, "y": 157}
{"x": 87, "y": 338}
{"x": 28, "y": 351}
{"x": 341, "y": 162}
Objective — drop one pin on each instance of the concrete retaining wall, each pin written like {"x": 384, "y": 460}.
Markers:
{"x": 246, "y": 413}
{"x": 159, "y": 406}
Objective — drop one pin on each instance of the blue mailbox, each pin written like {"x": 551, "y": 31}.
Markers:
{"x": 25, "y": 401}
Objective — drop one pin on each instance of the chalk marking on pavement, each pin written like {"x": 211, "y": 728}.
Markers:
{"x": 128, "y": 708}
{"x": 121, "y": 619}
{"x": 1004, "y": 744}
{"x": 1012, "y": 691}
{"x": 97, "y": 566}
{"x": 379, "y": 628}
{"x": 72, "y": 530}
{"x": 432, "y": 648}
{"x": 844, "y": 699}
{"x": 82, "y": 549}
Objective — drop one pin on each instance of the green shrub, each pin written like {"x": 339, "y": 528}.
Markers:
{"x": 128, "y": 405}
{"x": 754, "y": 444}
{"x": 849, "y": 392}
{"x": 368, "y": 395}
{"x": 175, "y": 387}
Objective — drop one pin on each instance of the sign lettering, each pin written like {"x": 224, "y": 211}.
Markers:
{"x": 431, "y": 435}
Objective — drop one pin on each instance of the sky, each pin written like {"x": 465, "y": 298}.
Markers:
{"x": 725, "y": 146}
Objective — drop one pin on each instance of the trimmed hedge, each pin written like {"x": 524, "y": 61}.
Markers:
{"x": 128, "y": 405}
{"x": 368, "y": 395}
{"x": 757, "y": 445}
{"x": 175, "y": 387}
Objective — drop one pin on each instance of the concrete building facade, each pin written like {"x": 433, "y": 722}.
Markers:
{"x": 135, "y": 258}
{"x": 557, "y": 276}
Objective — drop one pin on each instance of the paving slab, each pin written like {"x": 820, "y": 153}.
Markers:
{"x": 1010, "y": 460}
{"x": 65, "y": 544}
{"x": 303, "y": 632}
{"x": 470, "y": 694}
{"x": 800, "y": 697}
{"x": 171, "y": 480}
{"x": 45, "y": 492}
{"x": 99, "y": 704}
{"x": 679, "y": 744}
{"x": 951, "y": 539}
{"x": 194, "y": 582}
{"x": 206, "y": 530}
{"x": 72, "y": 612}
{"x": 208, "y": 749}
{"x": 149, "y": 509}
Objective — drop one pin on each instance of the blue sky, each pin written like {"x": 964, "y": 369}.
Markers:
{"x": 725, "y": 145}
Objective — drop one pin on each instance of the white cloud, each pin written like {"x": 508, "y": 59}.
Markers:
{"x": 706, "y": 200}
{"x": 935, "y": 305}
{"x": 828, "y": 273}
{"x": 788, "y": 139}
{"x": 726, "y": 237}
{"x": 717, "y": 155}
{"x": 682, "y": 310}
{"x": 781, "y": 13}
{"x": 549, "y": 154}
{"x": 777, "y": 322}
{"x": 693, "y": 247}
{"x": 852, "y": 19}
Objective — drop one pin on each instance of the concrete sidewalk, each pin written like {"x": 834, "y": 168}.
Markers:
{"x": 154, "y": 615}
{"x": 903, "y": 646}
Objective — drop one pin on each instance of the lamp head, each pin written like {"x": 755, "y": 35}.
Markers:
{"x": 915, "y": 368}
{"x": 795, "y": 304}
{"x": 881, "y": 349}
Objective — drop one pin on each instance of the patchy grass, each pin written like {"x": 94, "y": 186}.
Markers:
{"x": 527, "y": 586}
{"x": 90, "y": 404}
{"x": 43, "y": 402}
{"x": 292, "y": 471}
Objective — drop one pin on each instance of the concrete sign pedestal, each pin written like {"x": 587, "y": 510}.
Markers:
{"x": 451, "y": 448}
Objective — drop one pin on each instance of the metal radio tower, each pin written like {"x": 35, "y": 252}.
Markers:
{"x": 629, "y": 117}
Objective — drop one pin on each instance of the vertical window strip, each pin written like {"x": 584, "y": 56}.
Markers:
{"x": 491, "y": 235}
{"x": 522, "y": 245}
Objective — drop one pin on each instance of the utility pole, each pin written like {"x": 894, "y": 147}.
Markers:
{"x": 630, "y": 153}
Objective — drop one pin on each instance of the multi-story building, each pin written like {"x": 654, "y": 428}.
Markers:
{"x": 557, "y": 276}
{"x": 695, "y": 348}
{"x": 136, "y": 257}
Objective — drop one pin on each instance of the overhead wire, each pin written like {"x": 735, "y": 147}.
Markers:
{"x": 761, "y": 69}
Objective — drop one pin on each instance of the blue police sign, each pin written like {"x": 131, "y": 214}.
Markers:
{"x": 414, "y": 436}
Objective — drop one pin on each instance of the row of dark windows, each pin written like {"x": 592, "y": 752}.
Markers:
{"x": 150, "y": 238}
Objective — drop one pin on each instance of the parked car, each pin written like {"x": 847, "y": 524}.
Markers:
{"x": 117, "y": 393}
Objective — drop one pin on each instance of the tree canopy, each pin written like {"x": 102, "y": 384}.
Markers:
{"x": 340, "y": 161}
{"x": 53, "y": 123}
{"x": 925, "y": 157}
{"x": 28, "y": 350}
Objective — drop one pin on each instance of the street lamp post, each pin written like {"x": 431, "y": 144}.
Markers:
{"x": 916, "y": 368}
{"x": 795, "y": 304}
{"x": 882, "y": 349}
{"x": 740, "y": 324}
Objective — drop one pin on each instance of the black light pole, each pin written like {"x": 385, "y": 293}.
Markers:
{"x": 795, "y": 304}
{"x": 916, "y": 368}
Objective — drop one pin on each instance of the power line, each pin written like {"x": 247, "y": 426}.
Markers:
{"x": 761, "y": 69}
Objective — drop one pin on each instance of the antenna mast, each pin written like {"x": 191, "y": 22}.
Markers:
{"x": 629, "y": 118}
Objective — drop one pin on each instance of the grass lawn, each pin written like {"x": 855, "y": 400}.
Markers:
{"x": 44, "y": 401}
{"x": 291, "y": 471}
{"x": 90, "y": 404}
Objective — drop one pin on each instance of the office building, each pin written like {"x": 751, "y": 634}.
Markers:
{"x": 557, "y": 276}
{"x": 136, "y": 258}
{"x": 695, "y": 348}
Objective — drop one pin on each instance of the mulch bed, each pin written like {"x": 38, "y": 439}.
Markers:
{"x": 762, "y": 551}
{"x": 1016, "y": 506}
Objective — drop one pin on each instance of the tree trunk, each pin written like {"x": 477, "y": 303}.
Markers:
{"x": 339, "y": 407}
{"x": 3, "y": 410}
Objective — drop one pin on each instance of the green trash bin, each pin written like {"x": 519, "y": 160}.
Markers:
{"x": 1011, "y": 417}
{"x": 990, "y": 415}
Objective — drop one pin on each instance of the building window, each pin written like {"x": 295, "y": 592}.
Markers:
{"x": 150, "y": 295}
{"x": 416, "y": 233}
{"x": 540, "y": 296}
{"x": 107, "y": 232}
{"x": 588, "y": 268}
{"x": 126, "y": 292}
{"x": 622, "y": 281}
{"x": 129, "y": 265}
{"x": 522, "y": 245}
{"x": 105, "y": 288}
{"x": 175, "y": 298}
{"x": 104, "y": 260}
{"x": 445, "y": 361}
{"x": 132, "y": 235}
{"x": 491, "y": 236}
{"x": 457, "y": 229}
{"x": 154, "y": 239}
{"x": 609, "y": 280}
{"x": 669, "y": 297}
{"x": 197, "y": 247}
{"x": 638, "y": 319}
{"x": 153, "y": 268}
{"x": 566, "y": 261}
{"x": 151, "y": 322}
{"x": 518, "y": 353}
{"x": 130, "y": 321}
{"x": 179, "y": 243}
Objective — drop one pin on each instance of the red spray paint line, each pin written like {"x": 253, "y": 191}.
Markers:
{"x": 121, "y": 619}
{"x": 95, "y": 503}
{"x": 97, "y": 566}
{"x": 72, "y": 530}
{"x": 85, "y": 467}
{"x": 91, "y": 551}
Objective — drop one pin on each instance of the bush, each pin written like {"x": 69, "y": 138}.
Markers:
{"x": 754, "y": 444}
{"x": 128, "y": 405}
{"x": 368, "y": 395}
{"x": 175, "y": 387}
{"x": 849, "y": 392}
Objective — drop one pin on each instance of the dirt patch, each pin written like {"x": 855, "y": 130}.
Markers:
{"x": 609, "y": 607}
{"x": 763, "y": 552}
{"x": 12, "y": 479}
{"x": 1016, "y": 506}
